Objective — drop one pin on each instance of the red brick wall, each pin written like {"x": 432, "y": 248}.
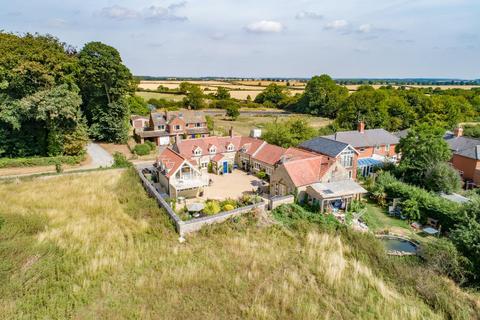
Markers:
{"x": 368, "y": 152}
{"x": 467, "y": 165}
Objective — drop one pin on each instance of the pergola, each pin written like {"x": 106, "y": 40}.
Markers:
{"x": 324, "y": 193}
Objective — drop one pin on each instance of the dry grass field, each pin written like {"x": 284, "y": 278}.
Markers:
{"x": 93, "y": 246}
{"x": 156, "y": 95}
{"x": 242, "y": 89}
{"x": 245, "y": 123}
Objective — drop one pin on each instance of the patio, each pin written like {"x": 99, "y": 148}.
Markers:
{"x": 232, "y": 185}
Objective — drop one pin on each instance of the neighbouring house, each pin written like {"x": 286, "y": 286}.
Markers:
{"x": 466, "y": 156}
{"x": 163, "y": 127}
{"x": 139, "y": 123}
{"x": 179, "y": 177}
{"x": 373, "y": 146}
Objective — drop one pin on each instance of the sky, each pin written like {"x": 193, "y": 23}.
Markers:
{"x": 268, "y": 38}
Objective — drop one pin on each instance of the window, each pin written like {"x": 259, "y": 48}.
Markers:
{"x": 346, "y": 158}
{"x": 177, "y": 127}
{"x": 198, "y": 124}
{"x": 213, "y": 149}
{"x": 230, "y": 147}
{"x": 362, "y": 149}
{"x": 161, "y": 127}
{"x": 387, "y": 147}
{"x": 256, "y": 165}
{"x": 377, "y": 147}
{"x": 198, "y": 152}
{"x": 204, "y": 164}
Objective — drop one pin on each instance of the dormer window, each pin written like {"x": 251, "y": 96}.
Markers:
{"x": 230, "y": 147}
{"x": 177, "y": 127}
{"x": 197, "y": 152}
{"x": 213, "y": 149}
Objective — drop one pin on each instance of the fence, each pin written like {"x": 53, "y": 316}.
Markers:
{"x": 185, "y": 227}
{"x": 279, "y": 200}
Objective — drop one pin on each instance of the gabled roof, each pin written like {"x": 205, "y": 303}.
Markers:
{"x": 306, "y": 171}
{"x": 250, "y": 145}
{"x": 464, "y": 146}
{"x": 269, "y": 154}
{"x": 170, "y": 160}
{"x": 186, "y": 147}
{"x": 368, "y": 138}
{"x": 325, "y": 146}
{"x": 189, "y": 116}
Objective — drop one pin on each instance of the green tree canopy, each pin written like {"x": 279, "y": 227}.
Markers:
{"x": 322, "y": 97}
{"x": 105, "y": 82}
{"x": 194, "y": 98}
{"x": 222, "y": 93}
{"x": 288, "y": 133}
{"x": 272, "y": 95}
{"x": 422, "y": 149}
{"x": 137, "y": 105}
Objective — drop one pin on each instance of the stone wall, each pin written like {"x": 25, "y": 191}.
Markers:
{"x": 279, "y": 200}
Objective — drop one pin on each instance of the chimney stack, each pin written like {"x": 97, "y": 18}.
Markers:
{"x": 231, "y": 132}
{"x": 458, "y": 132}
{"x": 361, "y": 126}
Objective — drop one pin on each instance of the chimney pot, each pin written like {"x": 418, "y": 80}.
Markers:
{"x": 361, "y": 126}
{"x": 458, "y": 132}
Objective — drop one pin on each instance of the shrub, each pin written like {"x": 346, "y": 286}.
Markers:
{"x": 142, "y": 149}
{"x": 211, "y": 207}
{"x": 228, "y": 207}
{"x": 230, "y": 202}
{"x": 120, "y": 161}
{"x": 40, "y": 161}
{"x": 410, "y": 209}
{"x": 58, "y": 167}
{"x": 261, "y": 175}
{"x": 151, "y": 144}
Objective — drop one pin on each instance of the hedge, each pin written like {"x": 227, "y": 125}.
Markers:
{"x": 430, "y": 204}
{"x": 40, "y": 161}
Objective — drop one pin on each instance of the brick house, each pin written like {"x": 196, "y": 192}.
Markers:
{"x": 372, "y": 146}
{"x": 466, "y": 155}
{"x": 163, "y": 127}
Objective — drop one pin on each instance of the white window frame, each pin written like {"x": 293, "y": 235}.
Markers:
{"x": 378, "y": 147}
{"x": 387, "y": 147}
{"x": 178, "y": 127}
{"x": 197, "y": 152}
{"x": 230, "y": 147}
{"x": 212, "y": 150}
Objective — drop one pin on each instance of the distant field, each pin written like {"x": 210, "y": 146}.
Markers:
{"x": 244, "y": 124}
{"x": 156, "y": 95}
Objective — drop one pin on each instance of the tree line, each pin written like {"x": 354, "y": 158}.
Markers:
{"x": 53, "y": 98}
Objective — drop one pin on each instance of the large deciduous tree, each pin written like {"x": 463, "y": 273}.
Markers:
{"x": 422, "y": 150}
{"x": 322, "y": 97}
{"x": 272, "y": 95}
{"x": 288, "y": 133}
{"x": 105, "y": 82}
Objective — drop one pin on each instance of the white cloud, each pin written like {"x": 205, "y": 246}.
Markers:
{"x": 337, "y": 25}
{"x": 161, "y": 13}
{"x": 152, "y": 13}
{"x": 365, "y": 28}
{"x": 57, "y": 23}
{"x": 119, "y": 13}
{"x": 308, "y": 15}
{"x": 264, "y": 26}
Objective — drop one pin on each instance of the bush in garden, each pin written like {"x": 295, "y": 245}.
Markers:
{"x": 151, "y": 145}
{"x": 212, "y": 207}
{"x": 120, "y": 161}
{"x": 228, "y": 207}
{"x": 142, "y": 149}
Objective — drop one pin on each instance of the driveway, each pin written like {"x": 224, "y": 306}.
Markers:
{"x": 100, "y": 157}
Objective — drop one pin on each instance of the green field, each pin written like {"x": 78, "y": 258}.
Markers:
{"x": 94, "y": 246}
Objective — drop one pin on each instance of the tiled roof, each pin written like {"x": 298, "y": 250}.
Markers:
{"x": 464, "y": 146}
{"x": 324, "y": 146}
{"x": 368, "y": 138}
{"x": 186, "y": 147}
{"x": 170, "y": 160}
{"x": 269, "y": 154}
{"x": 150, "y": 134}
{"x": 307, "y": 171}
{"x": 250, "y": 145}
{"x": 189, "y": 116}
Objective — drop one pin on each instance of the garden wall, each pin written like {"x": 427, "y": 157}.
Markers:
{"x": 279, "y": 200}
{"x": 185, "y": 227}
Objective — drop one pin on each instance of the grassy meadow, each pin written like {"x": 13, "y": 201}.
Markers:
{"x": 93, "y": 246}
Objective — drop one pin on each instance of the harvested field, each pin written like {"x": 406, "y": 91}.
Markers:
{"x": 156, "y": 95}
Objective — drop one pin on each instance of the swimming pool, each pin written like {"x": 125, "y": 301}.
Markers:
{"x": 399, "y": 246}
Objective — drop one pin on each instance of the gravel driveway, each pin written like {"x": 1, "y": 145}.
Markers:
{"x": 100, "y": 157}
